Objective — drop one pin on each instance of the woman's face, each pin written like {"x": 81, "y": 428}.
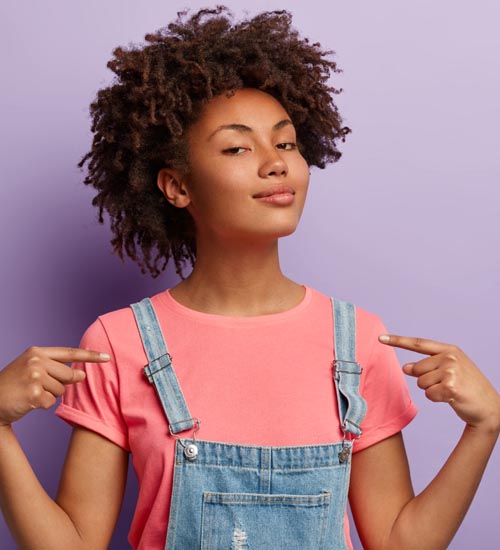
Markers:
{"x": 247, "y": 180}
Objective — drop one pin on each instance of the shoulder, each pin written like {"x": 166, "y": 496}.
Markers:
{"x": 116, "y": 325}
{"x": 367, "y": 322}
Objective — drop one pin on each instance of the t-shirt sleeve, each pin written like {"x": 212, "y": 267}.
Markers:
{"x": 384, "y": 388}
{"x": 94, "y": 403}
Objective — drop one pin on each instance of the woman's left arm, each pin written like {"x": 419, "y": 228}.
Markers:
{"x": 386, "y": 512}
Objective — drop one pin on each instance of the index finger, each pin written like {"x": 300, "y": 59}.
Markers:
{"x": 76, "y": 355}
{"x": 420, "y": 345}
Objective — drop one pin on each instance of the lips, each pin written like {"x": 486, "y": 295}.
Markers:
{"x": 275, "y": 190}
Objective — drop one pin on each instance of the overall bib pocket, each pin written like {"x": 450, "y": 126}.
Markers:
{"x": 247, "y": 521}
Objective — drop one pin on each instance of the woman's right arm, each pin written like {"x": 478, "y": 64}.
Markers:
{"x": 93, "y": 480}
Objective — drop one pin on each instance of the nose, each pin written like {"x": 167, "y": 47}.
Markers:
{"x": 273, "y": 165}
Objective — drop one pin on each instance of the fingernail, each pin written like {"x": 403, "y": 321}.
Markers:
{"x": 384, "y": 338}
{"x": 80, "y": 374}
{"x": 408, "y": 368}
{"x": 105, "y": 356}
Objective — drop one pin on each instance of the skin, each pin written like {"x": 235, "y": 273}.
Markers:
{"x": 237, "y": 269}
{"x": 238, "y": 273}
{"x": 93, "y": 479}
{"x": 387, "y": 513}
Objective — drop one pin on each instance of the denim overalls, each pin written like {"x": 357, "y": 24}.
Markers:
{"x": 236, "y": 497}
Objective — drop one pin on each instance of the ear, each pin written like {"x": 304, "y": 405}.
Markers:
{"x": 171, "y": 184}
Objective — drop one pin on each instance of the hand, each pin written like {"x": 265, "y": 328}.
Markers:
{"x": 35, "y": 379}
{"x": 448, "y": 375}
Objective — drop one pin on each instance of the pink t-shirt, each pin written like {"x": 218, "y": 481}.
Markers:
{"x": 264, "y": 380}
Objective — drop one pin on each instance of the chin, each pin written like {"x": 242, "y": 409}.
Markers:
{"x": 271, "y": 231}
{"x": 290, "y": 231}
{"x": 284, "y": 231}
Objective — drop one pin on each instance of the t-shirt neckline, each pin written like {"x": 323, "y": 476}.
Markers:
{"x": 214, "y": 318}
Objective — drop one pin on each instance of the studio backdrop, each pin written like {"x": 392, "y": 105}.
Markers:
{"x": 405, "y": 225}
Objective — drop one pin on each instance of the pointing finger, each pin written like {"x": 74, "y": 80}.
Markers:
{"x": 420, "y": 345}
{"x": 70, "y": 355}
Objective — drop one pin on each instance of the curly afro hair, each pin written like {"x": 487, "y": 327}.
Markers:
{"x": 140, "y": 121}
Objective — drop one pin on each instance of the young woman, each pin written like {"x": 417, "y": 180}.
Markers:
{"x": 248, "y": 401}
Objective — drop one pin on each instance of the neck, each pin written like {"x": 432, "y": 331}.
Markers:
{"x": 238, "y": 281}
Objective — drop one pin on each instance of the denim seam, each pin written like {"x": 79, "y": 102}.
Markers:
{"x": 282, "y": 447}
{"x": 325, "y": 513}
{"x": 257, "y": 469}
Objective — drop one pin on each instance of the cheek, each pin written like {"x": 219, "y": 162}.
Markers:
{"x": 219, "y": 181}
{"x": 302, "y": 174}
{"x": 213, "y": 195}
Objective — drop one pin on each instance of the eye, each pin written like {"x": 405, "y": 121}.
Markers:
{"x": 234, "y": 150}
{"x": 288, "y": 146}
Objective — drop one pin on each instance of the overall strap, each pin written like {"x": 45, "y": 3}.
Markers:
{"x": 346, "y": 371}
{"x": 159, "y": 369}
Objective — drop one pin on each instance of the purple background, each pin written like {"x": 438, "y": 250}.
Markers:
{"x": 406, "y": 225}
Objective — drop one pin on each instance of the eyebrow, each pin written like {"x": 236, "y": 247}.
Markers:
{"x": 244, "y": 128}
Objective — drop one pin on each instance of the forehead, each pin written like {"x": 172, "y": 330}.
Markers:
{"x": 247, "y": 106}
